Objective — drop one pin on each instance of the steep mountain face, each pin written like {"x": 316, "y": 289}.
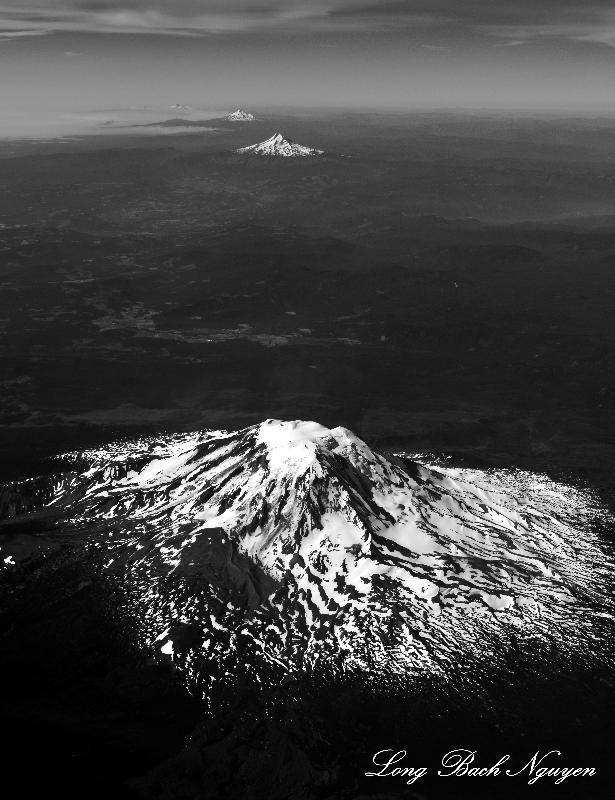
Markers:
{"x": 277, "y": 145}
{"x": 288, "y": 547}
{"x": 240, "y": 116}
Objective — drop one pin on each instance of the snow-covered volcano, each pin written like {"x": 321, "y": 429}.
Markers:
{"x": 288, "y": 544}
{"x": 277, "y": 145}
{"x": 240, "y": 116}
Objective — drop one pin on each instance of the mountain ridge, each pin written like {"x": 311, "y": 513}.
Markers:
{"x": 278, "y": 145}
{"x": 288, "y": 546}
{"x": 240, "y": 116}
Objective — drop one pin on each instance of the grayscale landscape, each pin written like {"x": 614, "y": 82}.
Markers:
{"x": 307, "y": 431}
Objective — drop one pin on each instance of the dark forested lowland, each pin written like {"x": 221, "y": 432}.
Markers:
{"x": 432, "y": 281}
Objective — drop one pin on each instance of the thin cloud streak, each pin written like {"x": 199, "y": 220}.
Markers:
{"x": 13, "y": 35}
{"x": 510, "y": 44}
{"x": 593, "y": 34}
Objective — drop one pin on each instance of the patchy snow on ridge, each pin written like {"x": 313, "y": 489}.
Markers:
{"x": 299, "y": 544}
{"x": 278, "y": 145}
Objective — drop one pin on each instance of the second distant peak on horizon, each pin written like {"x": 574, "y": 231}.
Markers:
{"x": 240, "y": 116}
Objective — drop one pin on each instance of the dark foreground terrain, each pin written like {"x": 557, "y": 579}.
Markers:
{"x": 434, "y": 283}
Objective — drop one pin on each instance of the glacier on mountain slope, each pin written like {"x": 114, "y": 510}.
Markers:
{"x": 278, "y": 145}
{"x": 288, "y": 544}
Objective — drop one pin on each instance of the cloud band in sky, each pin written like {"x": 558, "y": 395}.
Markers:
{"x": 513, "y": 20}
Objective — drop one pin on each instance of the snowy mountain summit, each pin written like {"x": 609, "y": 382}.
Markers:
{"x": 288, "y": 544}
{"x": 180, "y": 107}
{"x": 240, "y": 116}
{"x": 278, "y": 145}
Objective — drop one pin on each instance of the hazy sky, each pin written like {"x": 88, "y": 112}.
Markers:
{"x": 70, "y": 55}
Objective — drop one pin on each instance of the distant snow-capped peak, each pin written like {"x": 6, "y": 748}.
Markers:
{"x": 278, "y": 145}
{"x": 240, "y": 116}
{"x": 180, "y": 107}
